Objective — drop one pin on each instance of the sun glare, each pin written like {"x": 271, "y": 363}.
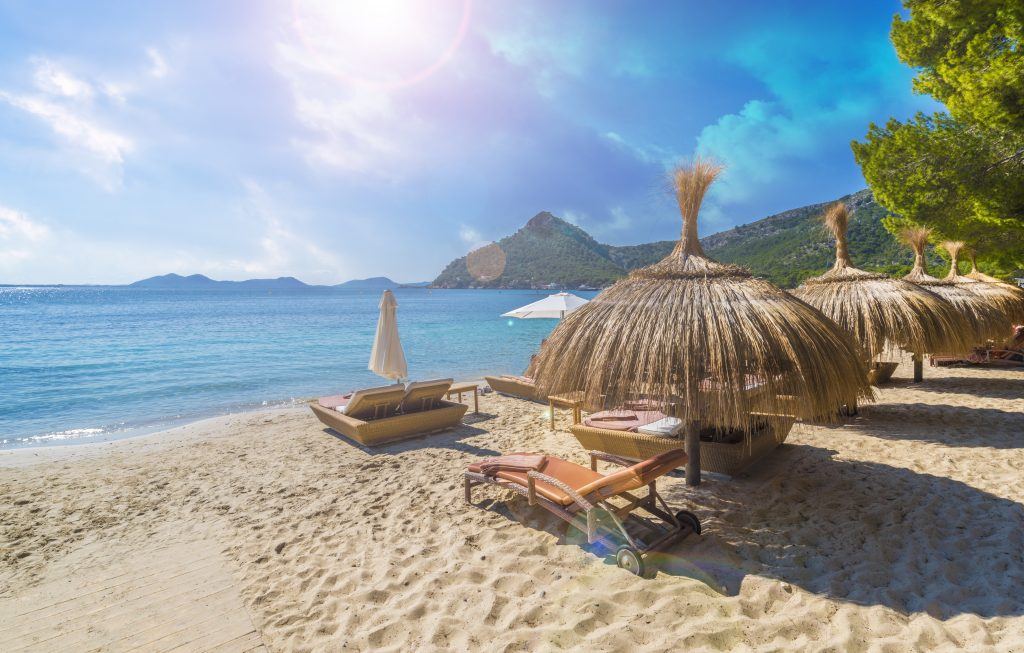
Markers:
{"x": 384, "y": 43}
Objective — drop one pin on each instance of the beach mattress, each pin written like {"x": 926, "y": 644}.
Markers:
{"x": 668, "y": 427}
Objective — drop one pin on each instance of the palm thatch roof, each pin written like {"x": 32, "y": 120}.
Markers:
{"x": 708, "y": 341}
{"x": 882, "y": 314}
{"x": 985, "y": 320}
{"x": 1003, "y": 296}
{"x": 975, "y": 273}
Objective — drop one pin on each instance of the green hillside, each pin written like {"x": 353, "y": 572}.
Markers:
{"x": 785, "y": 249}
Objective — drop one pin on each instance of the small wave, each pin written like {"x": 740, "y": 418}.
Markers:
{"x": 64, "y": 435}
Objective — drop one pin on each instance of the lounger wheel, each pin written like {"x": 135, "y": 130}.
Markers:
{"x": 687, "y": 517}
{"x": 630, "y": 559}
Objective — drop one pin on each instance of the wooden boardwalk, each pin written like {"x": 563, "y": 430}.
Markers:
{"x": 176, "y": 598}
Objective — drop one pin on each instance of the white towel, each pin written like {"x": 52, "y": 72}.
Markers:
{"x": 667, "y": 426}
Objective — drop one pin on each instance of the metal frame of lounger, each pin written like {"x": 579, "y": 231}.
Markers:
{"x": 671, "y": 529}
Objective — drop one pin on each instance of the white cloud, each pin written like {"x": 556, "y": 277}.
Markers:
{"x": 54, "y": 80}
{"x": 652, "y": 154}
{"x": 470, "y": 236}
{"x": 104, "y": 150}
{"x": 158, "y": 67}
{"x": 754, "y": 145}
{"x": 282, "y": 251}
{"x": 20, "y": 237}
{"x": 65, "y": 103}
{"x": 354, "y": 131}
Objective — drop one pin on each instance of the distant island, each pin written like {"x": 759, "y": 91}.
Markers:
{"x": 380, "y": 283}
{"x": 785, "y": 248}
{"x": 200, "y": 282}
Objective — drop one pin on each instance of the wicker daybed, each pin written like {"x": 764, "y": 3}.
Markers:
{"x": 724, "y": 457}
{"x": 379, "y": 415}
{"x": 514, "y": 386}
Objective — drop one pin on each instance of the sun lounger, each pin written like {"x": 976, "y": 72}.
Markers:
{"x": 368, "y": 403}
{"x": 522, "y": 387}
{"x": 379, "y": 415}
{"x": 584, "y": 498}
{"x": 424, "y": 395}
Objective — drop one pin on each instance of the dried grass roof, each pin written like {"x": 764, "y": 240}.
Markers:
{"x": 694, "y": 335}
{"x": 1003, "y": 296}
{"x": 985, "y": 320}
{"x": 882, "y": 314}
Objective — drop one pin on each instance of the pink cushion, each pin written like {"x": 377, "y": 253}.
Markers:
{"x": 334, "y": 401}
{"x": 623, "y": 420}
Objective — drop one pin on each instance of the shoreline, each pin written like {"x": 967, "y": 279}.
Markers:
{"x": 165, "y": 426}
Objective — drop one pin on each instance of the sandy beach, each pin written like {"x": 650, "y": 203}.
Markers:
{"x": 902, "y": 529}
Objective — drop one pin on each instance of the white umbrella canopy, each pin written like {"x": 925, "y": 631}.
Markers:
{"x": 387, "y": 358}
{"x": 554, "y": 306}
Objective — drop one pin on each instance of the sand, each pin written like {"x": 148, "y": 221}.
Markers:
{"x": 902, "y": 529}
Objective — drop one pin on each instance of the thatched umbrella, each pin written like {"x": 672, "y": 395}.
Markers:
{"x": 882, "y": 314}
{"x": 688, "y": 323}
{"x": 985, "y": 320}
{"x": 1003, "y": 296}
{"x": 975, "y": 273}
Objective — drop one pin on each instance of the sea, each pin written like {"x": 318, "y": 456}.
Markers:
{"x": 89, "y": 363}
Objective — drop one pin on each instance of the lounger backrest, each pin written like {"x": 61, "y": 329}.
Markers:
{"x": 374, "y": 403}
{"x": 637, "y": 475}
{"x": 424, "y": 395}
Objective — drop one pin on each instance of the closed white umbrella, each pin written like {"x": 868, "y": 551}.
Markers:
{"x": 553, "y": 307}
{"x": 387, "y": 358}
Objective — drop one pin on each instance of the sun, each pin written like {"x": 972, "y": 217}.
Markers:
{"x": 381, "y": 43}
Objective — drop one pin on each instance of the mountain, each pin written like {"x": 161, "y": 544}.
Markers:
{"x": 547, "y": 250}
{"x": 373, "y": 283}
{"x": 785, "y": 248}
{"x": 199, "y": 282}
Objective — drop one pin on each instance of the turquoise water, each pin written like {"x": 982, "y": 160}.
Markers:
{"x": 86, "y": 363}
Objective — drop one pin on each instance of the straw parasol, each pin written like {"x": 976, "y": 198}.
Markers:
{"x": 1003, "y": 296}
{"x": 975, "y": 273}
{"x": 882, "y": 314}
{"x": 669, "y": 331}
{"x": 984, "y": 319}
{"x": 387, "y": 358}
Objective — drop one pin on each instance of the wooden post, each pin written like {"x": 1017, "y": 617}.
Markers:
{"x": 693, "y": 454}
{"x": 918, "y": 368}
{"x": 551, "y": 408}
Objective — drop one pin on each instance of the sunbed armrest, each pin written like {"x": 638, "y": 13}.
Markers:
{"x": 533, "y": 477}
{"x": 608, "y": 458}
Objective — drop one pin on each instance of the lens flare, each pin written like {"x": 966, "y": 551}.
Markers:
{"x": 385, "y": 44}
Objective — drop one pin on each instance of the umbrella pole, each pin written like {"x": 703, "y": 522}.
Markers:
{"x": 918, "y": 368}
{"x": 692, "y": 444}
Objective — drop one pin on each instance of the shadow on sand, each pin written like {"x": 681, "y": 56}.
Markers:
{"x": 992, "y": 388}
{"x": 860, "y": 532}
{"x": 451, "y": 439}
{"x": 953, "y": 426}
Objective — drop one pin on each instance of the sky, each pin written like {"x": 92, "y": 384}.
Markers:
{"x": 338, "y": 140}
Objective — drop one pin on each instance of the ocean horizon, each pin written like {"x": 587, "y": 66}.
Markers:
{"x": 91, "y": 363}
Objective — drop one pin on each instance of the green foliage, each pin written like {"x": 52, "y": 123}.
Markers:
{"x": 970, "y": 57}
{"x": 785, "y": 249}
{"x": 961, "y": 174}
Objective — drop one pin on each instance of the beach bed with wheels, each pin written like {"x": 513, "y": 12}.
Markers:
{"x": 603, "y": 506}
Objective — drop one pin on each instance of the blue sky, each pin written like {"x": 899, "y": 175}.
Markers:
{"x": 333, "y": 140}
